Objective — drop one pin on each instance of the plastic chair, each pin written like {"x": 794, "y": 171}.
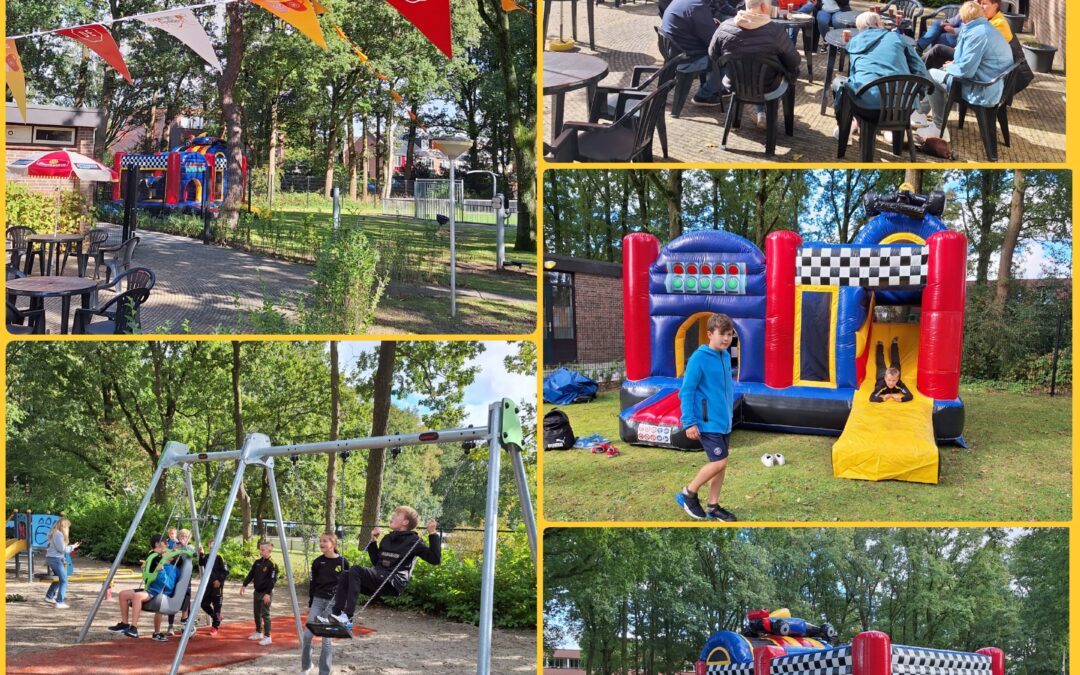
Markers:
{"x": 120, "y": 261}
{"x": 121, "y": 315}
{"x": 135, "y": 277}
{"x": 899, "y": 95}
{"x": 685, "y": 72}
{"x": 16, "y": 236}
{"x": 627, "y": 139}
{"x": 943, "y": 13}
{"x": 910, "y": 10}
{"x": 97, "y": 238}
{"x": 25, "y": 321}
{"x": 989, "y": 117}
{"x": 611, "y": 103}
{"x": 752, "y": 79}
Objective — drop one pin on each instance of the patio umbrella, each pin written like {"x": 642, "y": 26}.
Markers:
{"x": 61, "y": 164}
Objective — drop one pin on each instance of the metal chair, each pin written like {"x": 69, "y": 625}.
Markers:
{"x": 989, "y": 117}
{"x": 754, "y": 81}
{"x": 25, "y": 321}
{"x": 121, "y": 315}
{"x": 96, "y": 238}
{"x": 898, "y": 94}
{"x": 611, "y": 103}
{"x": 627, "y": 139}
{"x": 16, "y": 236}
{"x": 685, "y": 72}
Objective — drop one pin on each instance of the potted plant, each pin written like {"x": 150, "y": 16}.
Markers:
{"x": 1039, "y": 56}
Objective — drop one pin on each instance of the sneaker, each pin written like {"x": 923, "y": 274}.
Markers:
{"x": 342, "y": 618}
{"x": 171, "y": 632}
{"x": 62, "y": 605}
{"x": 213, "y": 631}
{"x": 118, "y": 628}
{"x": 612, "y": 451}
{"x": 132, "y": 632}
{"x": 266, "y": 641}
{"x": 51, "y": 601}
{"x": 160, "y": 637}
{"x": 919, "y": 120}
{"x": 931, "y": 131}
{"x": 712, "y": 512}
{"x": 725, "y": 515}
{"x": 767, "y": 460}
{"x": 306, "y": 671}
{"x": 779, "y": 459}
{"x": 255, "y": 636}
{"x": 707, "y": 101}
{"x": 761, "y": 120}
{"x": 690, "y": 504}
{"x": 598, "y": 449}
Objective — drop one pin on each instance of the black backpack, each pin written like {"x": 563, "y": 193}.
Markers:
{"x": 557, "y": 432}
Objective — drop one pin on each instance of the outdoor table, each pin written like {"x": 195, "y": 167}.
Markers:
{"x": 835, "y": 40}
{"x": 845, "y": 19}
{"x": 50, "y": 244}
{"x": 39, "y": 288}
{"x": 564, "y": 72}
{"x": 806, "y": 27}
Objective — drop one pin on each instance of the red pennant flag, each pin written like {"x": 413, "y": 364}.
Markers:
{"x": 432, "y": 17}
{"x": 98, "y": 38}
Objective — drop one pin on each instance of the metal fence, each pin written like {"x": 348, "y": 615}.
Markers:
{"x": 477, "y": 211}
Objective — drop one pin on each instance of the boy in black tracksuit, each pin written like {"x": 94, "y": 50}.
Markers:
{"x": 392, "y": 560}
{"x": 889, "y": 385}
{"x": 264, "y": 573}
{"x": 211, "y": 603}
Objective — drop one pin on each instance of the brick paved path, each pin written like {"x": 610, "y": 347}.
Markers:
{"x": 625, "y": 38}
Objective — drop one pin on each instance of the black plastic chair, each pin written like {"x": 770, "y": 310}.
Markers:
{"x": 16, "y": 236}
{"x": 96, "y": 239}
{"x": 121, "y": 315}
{"x": 943, "y": 13}
{"x": 611, "y": 103}
{"x": 685, "y": 72}
{"x": 910, "y": 11}
{"x": 752, "y": 82}
{"x": 135, "y": 277}
{"x": 627, "y": 139}
{"x": 989, "y": 116}
{"x": 899, "y": 95}
{"x": 25, "y": 321}
{"x": 121, "y": 260}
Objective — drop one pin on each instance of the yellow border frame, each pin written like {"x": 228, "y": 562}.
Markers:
{"x": 834, "y": 303}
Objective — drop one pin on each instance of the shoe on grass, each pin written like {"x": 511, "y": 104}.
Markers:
{"x": 690, "y": 504}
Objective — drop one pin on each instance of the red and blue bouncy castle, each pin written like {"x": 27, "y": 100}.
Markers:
{"x": 770, "y": 652}
{"x": 807, "y": 317}
{"x": 180, "y": 179}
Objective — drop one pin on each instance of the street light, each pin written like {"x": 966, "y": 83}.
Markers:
{"x": 453, "y": 147}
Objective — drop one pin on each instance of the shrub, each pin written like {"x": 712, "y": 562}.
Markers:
{"x": 348, "y": 285}
{"x": 38, "y": 210}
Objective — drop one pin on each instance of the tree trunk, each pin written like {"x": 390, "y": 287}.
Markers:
{"x": 380, "y": 418}
{"x": 674, "y": 202}
{"x": 378, "y": 149}
{"x": 410, "y": 148}
{"x": 914, "y": 178}
{"x": 331, "y": 155}
{"x": 233, "y": 124}
{"x": 238, "y": 426}
{"x": 984, "y": 248}
{"x": 351, "y": 135}
{"x": 331, "y": 457}
{"x": 759, "y": 211}
{"x": 363, "y": 157}
{"x": 271, "y": 162}
{"x": 1012, "y": 235}
{"x": 389, "y": 158}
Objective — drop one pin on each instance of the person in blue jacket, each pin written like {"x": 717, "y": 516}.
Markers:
{"x": 982, "y": 53}
{"x": 706, "y": 399}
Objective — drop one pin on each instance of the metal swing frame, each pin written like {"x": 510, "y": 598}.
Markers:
{"x": 503, "y": 431}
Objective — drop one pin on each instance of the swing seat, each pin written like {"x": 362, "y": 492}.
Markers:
{"x": 329, "y": 630}
{"x": 163, "y": 603}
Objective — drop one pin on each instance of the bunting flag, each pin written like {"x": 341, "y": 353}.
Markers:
{"x": 182, "y": 25}
{"x": 16, "y": 78}
{"x": 432, "y": 17}
{"x": 297, "y": 13}
{"x": 510, "y": 6}
{"x": 98, "y": 38}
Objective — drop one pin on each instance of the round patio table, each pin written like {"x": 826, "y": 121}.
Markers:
{"x": 835, "y": 40}
{"x": 39, "y": 288}
{"x": 845, "y": 19}
{"x": 804, "y": 24}
{"x": 564, "y": 72}
{"x": 50, "y": 246}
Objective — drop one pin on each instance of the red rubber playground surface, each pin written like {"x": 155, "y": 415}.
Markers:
{"x": 147, "y": 657}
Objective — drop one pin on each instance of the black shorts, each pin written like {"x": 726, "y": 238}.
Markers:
{"x": 716, "y": 445}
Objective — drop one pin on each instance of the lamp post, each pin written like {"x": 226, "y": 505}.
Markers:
{"x": 453, "y": 147}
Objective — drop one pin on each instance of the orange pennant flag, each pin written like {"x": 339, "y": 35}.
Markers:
{"x": 16, "y": 78}
{"x": 396, "y": 96}
{"x": 412, "y": 116}
{"x": 298, "y": 14}
{"x": 356, "y": 50}
{"x": 510, "y": 6}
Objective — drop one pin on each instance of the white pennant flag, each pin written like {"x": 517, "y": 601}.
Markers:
{"x": 182, "y": 24}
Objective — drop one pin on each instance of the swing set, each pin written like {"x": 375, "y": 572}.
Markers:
{"x": 503, "y": 431}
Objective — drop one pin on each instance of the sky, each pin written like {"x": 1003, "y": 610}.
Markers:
{"x": 493, "y": 382}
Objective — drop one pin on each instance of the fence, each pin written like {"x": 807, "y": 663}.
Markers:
{"x": 476, "y": 211}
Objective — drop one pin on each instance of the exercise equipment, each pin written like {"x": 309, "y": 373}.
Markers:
{"x": 503, "y": 432}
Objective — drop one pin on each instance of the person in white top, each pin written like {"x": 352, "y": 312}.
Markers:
{"x": 55, "y": 559}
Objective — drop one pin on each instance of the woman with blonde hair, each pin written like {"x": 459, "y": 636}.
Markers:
{"x": 55, "y": 560}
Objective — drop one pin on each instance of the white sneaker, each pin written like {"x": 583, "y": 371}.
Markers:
{"x": 762, "y": 122}
{"x": 266, "y": 641}
{"x": 61, "y": 605}
{"x": 306, "y": 671}
{"x": 51, "y": 601}
{"x": 919, "y": 120}
{"x": 932, "y": 131}
{"x": 767, "y": 460}
{"x": 255, "y": 636}
{"x": 779, "y": 459}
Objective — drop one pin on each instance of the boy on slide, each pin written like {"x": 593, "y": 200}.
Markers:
{"x": 392, "y": 560}
{"x": 889, "y": 385}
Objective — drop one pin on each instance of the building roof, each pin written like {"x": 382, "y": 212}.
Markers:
{"x": 567, "y": 653}
{"x": 56, "y": 115}
{"x": 583, "y": 266}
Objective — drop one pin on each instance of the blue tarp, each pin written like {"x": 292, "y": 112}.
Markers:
{"x": 565, "y": 386}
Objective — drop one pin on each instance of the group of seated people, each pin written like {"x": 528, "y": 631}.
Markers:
{"x": 976, "y": 44}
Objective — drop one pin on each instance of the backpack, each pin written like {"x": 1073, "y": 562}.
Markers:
{"x": 558, "y": 435}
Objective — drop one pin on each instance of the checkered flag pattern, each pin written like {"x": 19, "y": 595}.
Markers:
{"x": 145, "y": 161}
{"x": 822, "y": 662}
{"x": 868, "y": 266}
{"x": 917, "y": 661}
{"x": 731, "y": 669}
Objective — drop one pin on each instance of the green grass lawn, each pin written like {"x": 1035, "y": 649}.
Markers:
{"x": 1018, "y": 467}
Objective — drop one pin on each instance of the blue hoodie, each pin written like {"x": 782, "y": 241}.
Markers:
{"x": 876, "y": 52}
{"x": 707, "y": 390}
{"x": 982, "y": 53}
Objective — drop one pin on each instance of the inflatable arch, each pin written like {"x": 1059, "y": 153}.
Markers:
{"x": 807, "y": 318}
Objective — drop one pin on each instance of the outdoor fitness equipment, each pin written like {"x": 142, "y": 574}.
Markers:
{"x": 503, "y": 431}
{"x": 776, "y": 643}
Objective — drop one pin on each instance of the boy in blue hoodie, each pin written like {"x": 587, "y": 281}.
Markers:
{"x": 706, "y": 400}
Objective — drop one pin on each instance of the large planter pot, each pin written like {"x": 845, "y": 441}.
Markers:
{"x": 1016, "y": 22}
{"x": 1040, "y": 57}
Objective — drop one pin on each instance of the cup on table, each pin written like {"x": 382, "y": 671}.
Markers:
{"x": 847, "y": 35}
{"x": 773, "y": 11}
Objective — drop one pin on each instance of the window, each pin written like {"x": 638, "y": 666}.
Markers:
{"x": 562, "y": 305}
{"x": 54, "y": 135}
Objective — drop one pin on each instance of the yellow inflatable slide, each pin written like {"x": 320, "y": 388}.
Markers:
{"x": 14, "y": 546}
{"x": 889, "y": 440}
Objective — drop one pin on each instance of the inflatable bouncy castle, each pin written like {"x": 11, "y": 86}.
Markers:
{"x": 772, "y": 645}
{"x": 181, "y": 179}
{"x": 808, "y": 317}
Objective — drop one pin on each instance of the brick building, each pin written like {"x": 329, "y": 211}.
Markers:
{"x": 583, "y": 315}
{"x": 50, "y": 127}
{"x": 1046, "y": 19}
{"x": 564, "y": 662}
